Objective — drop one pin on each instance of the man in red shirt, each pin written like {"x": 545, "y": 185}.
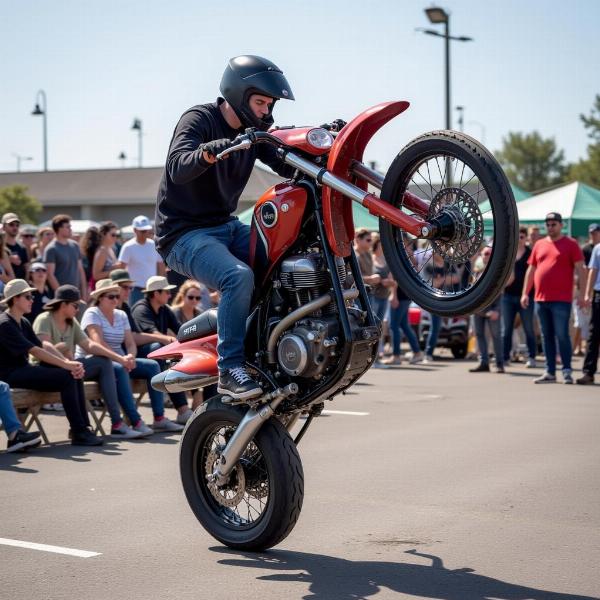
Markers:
{"x": 552, "y": 264}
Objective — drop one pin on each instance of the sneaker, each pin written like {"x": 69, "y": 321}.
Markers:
{"x": 393, "y": 360}
{"x": 545, "y": 378}
{"x": 417, "y": 357}
{"x": 585, "y": 379}
{"x": 183, "y": 418}
{"x": 238, "y": 384}
{"x": 428, "y": 359}
{"x": 500, "y": 370}
{"x": 23, "y": 440}
{"x": 167, "y": 425}
{"x": 86, "y": 438}
{"x": 378, "y": 364}
{"x": 143, "y": 429}
{"x": 125, "y": 433}
{"x": 531, "y": 364}
{"x": 567, "y": 377}
{"x": 480, "y": 368}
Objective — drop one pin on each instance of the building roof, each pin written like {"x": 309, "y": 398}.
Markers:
{"x": 110, "y": 186}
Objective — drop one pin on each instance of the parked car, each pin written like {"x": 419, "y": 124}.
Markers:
{"x": 454, "y": 332}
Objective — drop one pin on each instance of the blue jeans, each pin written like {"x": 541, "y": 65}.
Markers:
{"x": 554, "y": 322}
{"x": 379, "y": 306}
{"x": 434, "y": 332}
{"x": 399, "y": 324}
{"x": 7, "y": 410}
{"x": 218, "y": 257}
{"x": 511, "y": 307}
{"x": 177, "y": 398}
{"x": 494, "y": 327}
{"x": 145, "y": 368}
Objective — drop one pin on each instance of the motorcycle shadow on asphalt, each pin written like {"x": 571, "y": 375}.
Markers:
{"x": 332, "y": 578}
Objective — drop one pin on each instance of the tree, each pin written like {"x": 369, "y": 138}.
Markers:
{"x": 532, "y": 162}
{"x": 588, "y": 170}
{"x": 15, "y": 198}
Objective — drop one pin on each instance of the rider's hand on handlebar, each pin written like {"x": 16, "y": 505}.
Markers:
{"x": 336, "y": 125}
{"x": 211, "y": 149}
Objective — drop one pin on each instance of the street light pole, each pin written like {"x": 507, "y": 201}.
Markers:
{"x": 137, "y": 126}
{"x": 461, "y": 118}
{"x": 43, "y": 111}
{"x": 20, "y": 158}
{"x": 122, "y": 157}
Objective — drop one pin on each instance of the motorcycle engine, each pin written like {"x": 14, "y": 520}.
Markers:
{"x": 309, "y": 347}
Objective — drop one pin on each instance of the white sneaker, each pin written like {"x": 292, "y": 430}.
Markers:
{"x": 125, "y": 433}
{"x": 143, "y": 429}
{"x": 183, "y": 418}
{"x": 531, "y": 364}
{"x": 545, "y": 378}
{"x": 416, "y": 358}
{"x": 428, "y": 359}
{"x": 167, "y": 425}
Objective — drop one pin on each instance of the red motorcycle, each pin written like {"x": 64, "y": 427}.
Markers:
{"x": 311, "y": 333}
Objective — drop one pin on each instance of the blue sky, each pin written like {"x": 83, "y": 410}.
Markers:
{"x": 533, "y": 65}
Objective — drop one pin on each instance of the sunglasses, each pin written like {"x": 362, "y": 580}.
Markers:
{"x": 27, "y": 235}
{"x": 13, "y": 224}
{"x": 111, "y": 296}
{"x": 193, "y": 297}
{"x": 26, "y": 296}
{"x": 38, "y": 270}
{"x": 74, "y": 304}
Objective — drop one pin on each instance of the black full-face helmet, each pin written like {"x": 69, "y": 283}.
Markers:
{"x": 247, "y": 75}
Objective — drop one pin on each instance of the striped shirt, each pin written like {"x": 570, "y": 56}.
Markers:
{"x": 114, "y": 335}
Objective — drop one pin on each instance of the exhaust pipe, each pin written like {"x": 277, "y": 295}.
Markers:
{"x": 172, "y": 380}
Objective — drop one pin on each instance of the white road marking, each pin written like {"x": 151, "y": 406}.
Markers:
{"x": 47, "y": 548}
{"x": 346, "y": 412}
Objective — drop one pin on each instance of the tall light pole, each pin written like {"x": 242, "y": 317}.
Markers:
{"x": 41, "y": 108}
{"x": 122, "y": 157}
{"x": 137, "y": 126}
{"x": 20, "y": 158}
{"x": 461, "y": 118}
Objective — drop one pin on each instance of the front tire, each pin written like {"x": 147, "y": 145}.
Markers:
{"x": 262, "y": 501}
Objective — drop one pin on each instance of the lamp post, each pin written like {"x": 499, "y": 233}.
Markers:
{"x": 42, "y": 109}
{"x": 137, "y": 126}
{"x": 20, "y": 158}
{"x": 122, "y": 157}
{"x": 461, "y": 118}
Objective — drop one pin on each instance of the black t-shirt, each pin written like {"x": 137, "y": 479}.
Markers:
{"x": 38, "y": 302}
{"x": 516, "y": 287}
{"x": 587, "y": 253}
{"x": 19, "y": 270}
{"x": 150, "y": 322}
{"x": 193, "y": 193}
{"x": 16, "y": 339}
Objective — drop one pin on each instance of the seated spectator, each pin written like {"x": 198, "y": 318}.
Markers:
{"x": 187, "y": 302}
{"x": 105, "y": 324}
{"x": 154, "y": 316}
{"x": 58, "y": 326}
{"x": 18, "y": 438}
{"x": 17, "y": 340}
{"x": 38, "y": 278}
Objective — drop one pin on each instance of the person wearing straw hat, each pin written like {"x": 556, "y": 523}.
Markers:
{"x": 18, "y": 340}
{"x": 105, "y": 324}
{"x": 58, "y": 327}
{"x": 154, "y": 316}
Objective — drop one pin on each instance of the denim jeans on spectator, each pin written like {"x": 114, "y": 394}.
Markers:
{"x": 218, "y": 257}
{"x": 554, "y": 322}
{"x": 434, "y": 333}
{"x": 399, "y": 324}
{"x": 9, "y": 418}
{"x": 145, "y": 368}
{"x": 177, "y": 398}
{"x": 511, "y": 307}
{"x": 494, "y": 327}
{"x": 380, "y": 306}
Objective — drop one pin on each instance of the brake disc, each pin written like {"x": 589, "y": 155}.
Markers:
{"x": 464, "y": 231}
{"x": 232, "y": 492}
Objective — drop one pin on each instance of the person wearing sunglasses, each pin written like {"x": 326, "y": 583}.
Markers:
{"x": 58, "y": 329}
{"x": 187, "y": 302}
{"x": 38, "y": 278}
{"x": 27, "y": 239}
{"x": 18, "y": 254}
{"x": 105, "y": 324}
{"x": 55, "y": 373}
{"x": 554, "y": 260}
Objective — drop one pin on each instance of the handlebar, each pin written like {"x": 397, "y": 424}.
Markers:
{"x": 244, "y": 141}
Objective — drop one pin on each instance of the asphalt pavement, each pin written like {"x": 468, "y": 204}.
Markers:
{"x": 453, "y": 486}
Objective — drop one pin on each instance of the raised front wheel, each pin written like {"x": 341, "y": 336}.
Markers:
{"x": 261, "y": 502}
{"x": 467, "y": 197}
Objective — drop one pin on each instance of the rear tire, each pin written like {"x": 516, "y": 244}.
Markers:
{"x": 271, "y": 453}
{"x": 489, "y": 177}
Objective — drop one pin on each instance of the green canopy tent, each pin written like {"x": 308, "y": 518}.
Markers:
{"x": 579, "y": 205}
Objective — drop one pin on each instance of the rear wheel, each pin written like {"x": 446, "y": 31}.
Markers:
{"x": 261, "y": 502}
{"x": 469, "y": 198}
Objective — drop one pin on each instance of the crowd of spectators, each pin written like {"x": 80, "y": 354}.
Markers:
{"x": 94, "y": 308}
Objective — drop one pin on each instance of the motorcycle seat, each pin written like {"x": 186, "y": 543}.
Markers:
{"x": 200, "y": 326}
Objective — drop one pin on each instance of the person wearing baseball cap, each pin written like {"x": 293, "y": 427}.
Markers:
{"x": 18, "y": 341}
{"x": 552, "y": 264}
{"x": 139, "y": 256}
{"x": 19, "y": 258}
{"x": 153, "y": 316}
